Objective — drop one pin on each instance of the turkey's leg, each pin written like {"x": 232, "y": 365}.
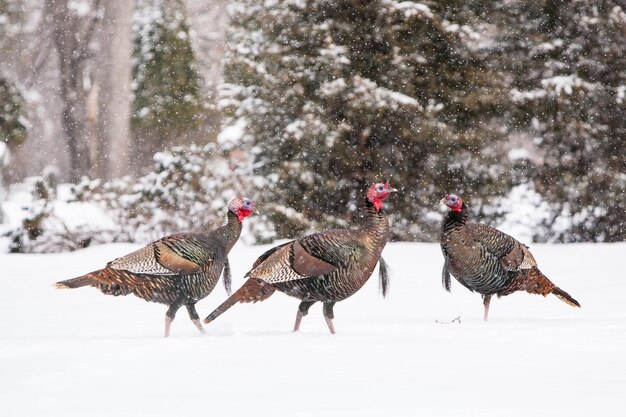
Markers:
{"x": 486, "y": 300}
{"x": 329, "y": 316}
{"x": 170, "y": 315}
{"x": 195, "y": 318}
{"x": 303, "y": 310}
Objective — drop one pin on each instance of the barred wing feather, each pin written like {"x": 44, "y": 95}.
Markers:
{"x": 512, "y": 255}
{"x": 155, "y": 259}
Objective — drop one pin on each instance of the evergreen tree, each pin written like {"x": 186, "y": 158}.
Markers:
{"x": 570, "y": 91}
{"x": 12, "y": 116}
{"x": 12, "y": 120}
{"x": 12, "y": 128}
{"x": 167, "y": 104}
{"x": 333, "y": 95}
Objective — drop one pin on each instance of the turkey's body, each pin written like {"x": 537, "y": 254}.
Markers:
{"x": 327, "y": 267}
{"x": 487, "y": 261}
{"x": 145, "y": 276}
{"x": 470, "y": 260}
{"x": 177, "y": 270}
{"x": 354, "y": 253}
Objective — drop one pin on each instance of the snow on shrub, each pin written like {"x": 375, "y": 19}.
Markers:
{"x": 188, "y": 191}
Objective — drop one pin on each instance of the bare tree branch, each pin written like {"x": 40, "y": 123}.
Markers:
{"x": 84, "y": 47}
{"x": 40, "y": 60}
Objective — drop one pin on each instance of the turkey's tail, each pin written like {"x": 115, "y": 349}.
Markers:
{"x": 252, "y": 291}
{"x": 535, "y": 282}
{"x": 565, "y": 297}
{"x": 76, "y": 282}
{"x": 109, "y": 281}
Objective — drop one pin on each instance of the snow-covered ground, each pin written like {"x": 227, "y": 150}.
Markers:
{"x": 80, "y": 353}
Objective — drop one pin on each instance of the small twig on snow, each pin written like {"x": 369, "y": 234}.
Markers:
{"x": 457, "y": 319}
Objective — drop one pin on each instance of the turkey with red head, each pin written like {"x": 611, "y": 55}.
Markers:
{"x": 327, "y": 266}
{"x": 176, "y": 270}
{"x": 487, "y": 261}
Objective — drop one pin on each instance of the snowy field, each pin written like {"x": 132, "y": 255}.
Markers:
{"x": 80, "y": 353}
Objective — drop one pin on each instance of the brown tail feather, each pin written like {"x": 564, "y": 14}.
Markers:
{"x": 535, "y": 282}
{"x": 565, "y": 297}
{"x": 76, "y": 282}
{"x": 252, "y": 291}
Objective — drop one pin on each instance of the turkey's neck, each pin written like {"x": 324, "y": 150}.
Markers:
{"x": 455, "y": 219}
{"x": 376, "y": 226}
{"x": 232, "y": 229}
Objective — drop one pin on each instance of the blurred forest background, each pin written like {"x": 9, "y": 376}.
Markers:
{"x": 160, "y": 111}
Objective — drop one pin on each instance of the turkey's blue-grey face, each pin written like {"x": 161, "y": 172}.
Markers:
{"x": 248, "y": 204}
{"x": 453, "y": 201}
{"x": 378, "y": 192}
{"x": 242, "y": 207}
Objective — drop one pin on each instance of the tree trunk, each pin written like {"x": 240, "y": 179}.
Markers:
{"x": 70, "y": 50}
{"x": 113, "y": 76}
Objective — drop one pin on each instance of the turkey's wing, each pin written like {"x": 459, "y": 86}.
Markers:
{"x": 511, "y": 254}
{"x": 308, "y": 265}
{"x": 315, "y": 255}
{"x": 334, "y": 247}
{"x": 155, "y": 259}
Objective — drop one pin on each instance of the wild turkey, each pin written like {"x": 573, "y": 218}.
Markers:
{"x": 488, "y": 261}
{"x": 327, "y": 267}
{"x": 176, "y": 270}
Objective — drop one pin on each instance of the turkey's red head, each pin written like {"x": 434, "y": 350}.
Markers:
{"x": 242, "y": 207}
{"x": 378, "y": 192}
{"x": 454, "y": 202}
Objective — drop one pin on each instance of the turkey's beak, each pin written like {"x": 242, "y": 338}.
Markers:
{"x": 392, "y": 190}
{"x": 443, "y": 200}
